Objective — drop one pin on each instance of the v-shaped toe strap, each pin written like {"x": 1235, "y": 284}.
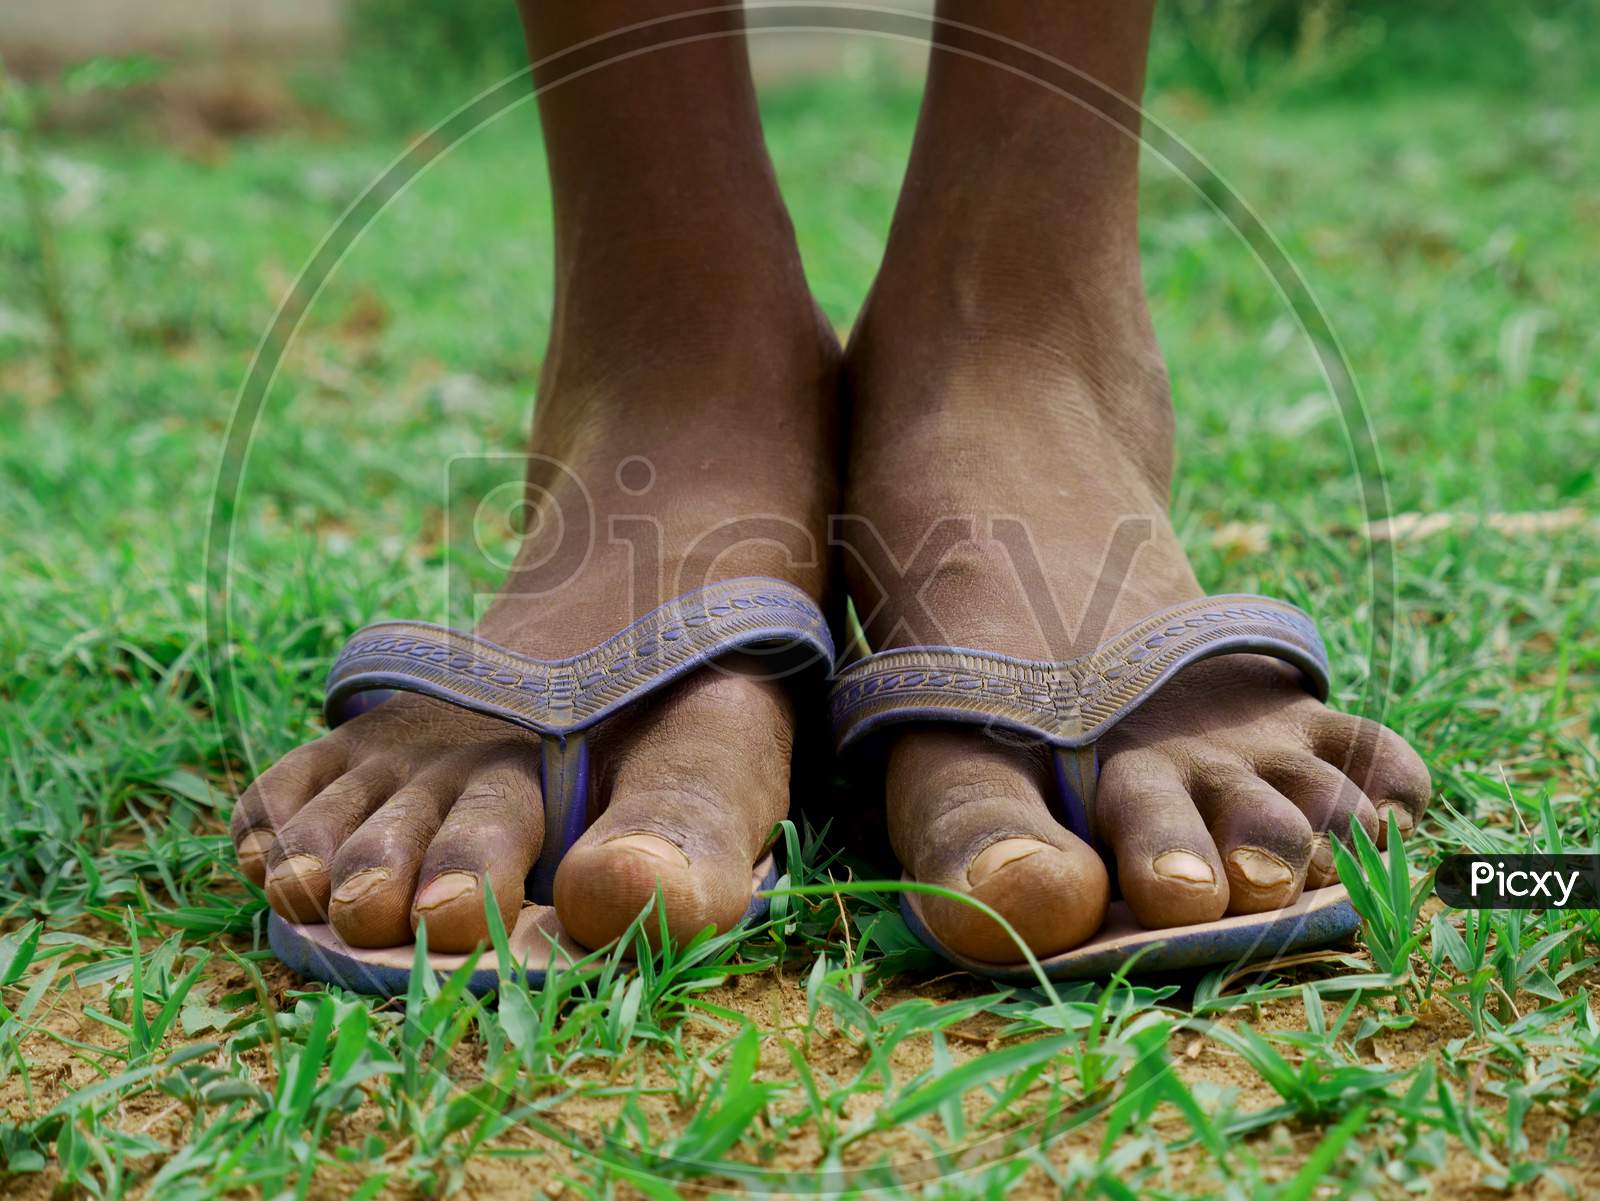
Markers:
{"x": 561, "y": 699}
{"x": 1069, "y": 705}
{"x": 563, "y": 696}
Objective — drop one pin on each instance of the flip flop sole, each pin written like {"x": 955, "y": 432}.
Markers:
{"x": 537, "y": 942}
{"x": 1320, "y": 917}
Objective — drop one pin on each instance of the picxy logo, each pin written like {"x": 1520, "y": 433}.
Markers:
{"x": 1519, "y": 881}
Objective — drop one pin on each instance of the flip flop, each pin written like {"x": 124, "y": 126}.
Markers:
{"x": 1069, "y": 706}
{"x": 562, "y": 701}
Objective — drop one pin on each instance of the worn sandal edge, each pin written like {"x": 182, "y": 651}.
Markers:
{"x": 537, "y": 939}
{"x": 1317, "y": 918}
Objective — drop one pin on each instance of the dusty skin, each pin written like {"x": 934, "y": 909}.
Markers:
{"x": 1004, "y": 367}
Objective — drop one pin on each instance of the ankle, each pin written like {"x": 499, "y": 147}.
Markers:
{"x": 1080, "y": 369}
{"x": 750, "y": 352}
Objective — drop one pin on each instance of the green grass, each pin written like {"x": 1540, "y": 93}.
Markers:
{"x": 149, "y": 1043}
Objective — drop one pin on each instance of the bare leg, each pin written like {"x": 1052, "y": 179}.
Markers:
{"x": 683, "y": 336}
{"x": 1007, "y": 341}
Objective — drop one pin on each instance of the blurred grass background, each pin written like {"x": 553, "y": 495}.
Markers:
{"x": 1433, "y": 168}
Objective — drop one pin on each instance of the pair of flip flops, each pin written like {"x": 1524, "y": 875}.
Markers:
{"x": 1066, "y": 706}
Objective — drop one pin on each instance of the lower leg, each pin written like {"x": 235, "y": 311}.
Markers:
{"x": 679, "y": 299}
{"x": 1008, "y": 340}
{"x": 1016, "y": 236}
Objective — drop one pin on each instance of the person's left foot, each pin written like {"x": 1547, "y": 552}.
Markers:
{"x": 1047, "y": 435}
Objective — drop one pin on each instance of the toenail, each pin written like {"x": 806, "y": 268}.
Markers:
{"x": 1185, "y": 866}
{"x": 1260, "y": 868}
{"x": 653, "y": 846}
{"x": 1001, "y": 854}
{"x": 296, "y": 869}
{"x": 446, "y": 889}
{"x": 255, "y": 845}
{"x": 359, "y": 885}
{"x": 1322, "y": 854}
{"x": 1402, "y": 817}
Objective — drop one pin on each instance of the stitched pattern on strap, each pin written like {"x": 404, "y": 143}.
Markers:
{"x": 562, "y": 696}
{"x": 1072, "y": 703}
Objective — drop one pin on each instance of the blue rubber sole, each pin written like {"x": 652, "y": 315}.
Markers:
{"x": 1320, "y": 917}
{"x": 537, "y": 940}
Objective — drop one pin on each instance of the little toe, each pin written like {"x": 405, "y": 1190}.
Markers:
{"x": 969, "y": 815}
{"x": 298, "y": 865}
{"x": 1381, "y": 763}
{"x": 277, "y": 794}
{"x": 1168, "y": 867}
{"x": 703, "y": 782}
{"x": 1264, "y": 841}
{"x": 1330, "y": 800}
{"x": 489, "y": 838}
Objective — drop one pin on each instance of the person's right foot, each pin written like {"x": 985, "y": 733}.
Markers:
{"x": 405, "y": 811}
{"x": 687, "y": 404}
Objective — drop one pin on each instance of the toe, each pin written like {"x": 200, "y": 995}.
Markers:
{"x": 970, "y": 815}
{"x": 374, "y": 874}
{"x": 1167, "y": 864}
{"x": 1264, "y": 841}
{"x": 490, "y": 837}
{"x": 277, "y": 795}
{"x": 298, "y": 865}
{"x": 694, "y": 799}
{"x": 1330, "y": 801}
{"x": 1381, "y": 763}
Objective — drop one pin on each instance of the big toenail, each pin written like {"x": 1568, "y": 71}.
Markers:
{"x": 1001, "y": 854}
{"x": 1185, "y": 866}
{"x": 653, "y": 846}
{"x": 1260, "y": 869}
{"x": 1402, "y": 818}
{"x": 296, "y": 869}
{"x": 446, "y": 889}
{"x": 359, "y": 885}
{"x": 254, "y": 845}
{"x": 1322, "y": 854}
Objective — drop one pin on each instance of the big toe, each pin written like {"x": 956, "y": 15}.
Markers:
{"x": 601, "y": 887}
{"x": 696, "y": 795}
{"x": 1053, "y": 898}
{"x": 970, "y": 817}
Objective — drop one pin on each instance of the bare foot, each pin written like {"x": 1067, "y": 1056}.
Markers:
{"x": 1005, "y": 379}
{"x": 691, "y": 396}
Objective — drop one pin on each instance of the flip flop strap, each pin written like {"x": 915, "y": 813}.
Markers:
{"x": 1070, "y": 705}
{"x": 563, "y": 696}
{"x": 561, "y": 699}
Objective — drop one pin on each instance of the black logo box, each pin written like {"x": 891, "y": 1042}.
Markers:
{"x": 1519, "y": 881}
